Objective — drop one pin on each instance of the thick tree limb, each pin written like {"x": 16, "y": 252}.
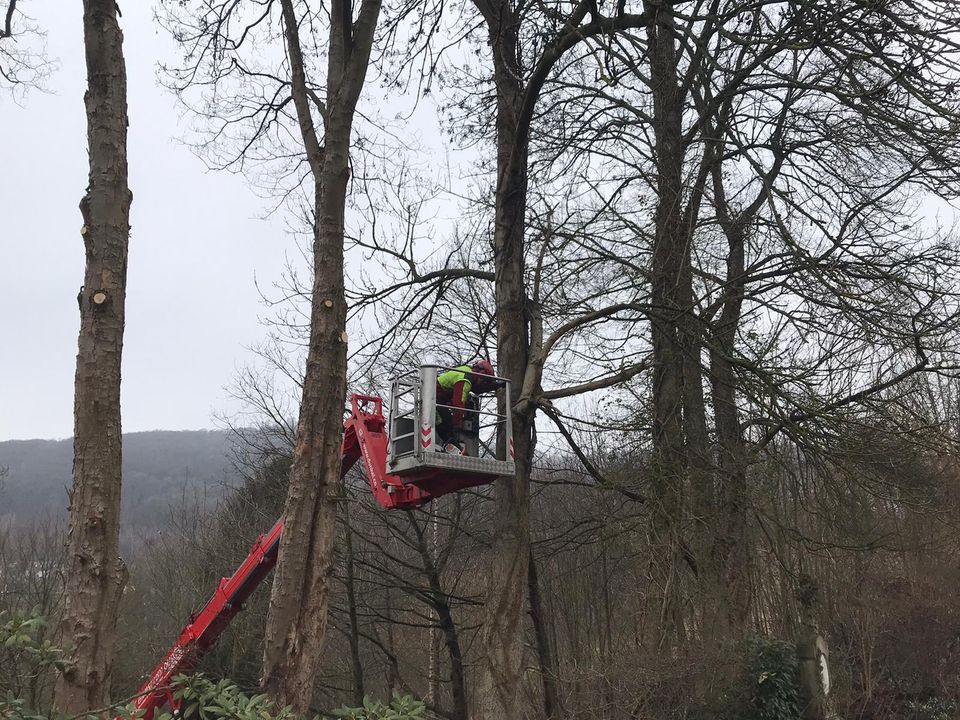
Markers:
{"x": 599, "y": 383}
{"x": 299, "y": 90}
{"x": 7, "y": 30}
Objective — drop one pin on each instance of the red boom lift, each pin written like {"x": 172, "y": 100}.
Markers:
{"x": 405, "y": 468}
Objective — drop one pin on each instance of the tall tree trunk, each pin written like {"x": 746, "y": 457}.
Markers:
{"x": 501, "y": 659}
{"x": 458, "y": 683}
{"x": 699, "y": 518}
{"x": 297, "y": 619}
{"x": 94, "y": 574}
{"x": 670, "y": 253}
{"x": 436, "y": 639}
{"x": 433, "y": 663}
{"x": 548, "y": 667}
{"x": 731, "y": 550}
{"x": 393, "y": 676}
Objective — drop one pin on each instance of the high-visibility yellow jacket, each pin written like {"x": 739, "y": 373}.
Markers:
{"x": 453, "y": 388}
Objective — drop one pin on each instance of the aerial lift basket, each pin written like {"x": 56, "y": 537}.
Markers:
{"x": 415, "y": 450}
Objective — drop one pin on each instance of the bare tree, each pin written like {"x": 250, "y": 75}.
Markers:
{"x": 23, "y": 60}
{"x": 279, "y": 110}
{"x": 298, "y": 603}
{"x": 525, "y": 48}
{"x": 730, "y": 192}
{"x": 94, "y": 574}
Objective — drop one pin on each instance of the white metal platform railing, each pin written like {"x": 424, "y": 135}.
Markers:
{"x": 416, "y": 422}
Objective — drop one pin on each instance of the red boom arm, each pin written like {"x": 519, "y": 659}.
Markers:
{"x": 363, "y": 436}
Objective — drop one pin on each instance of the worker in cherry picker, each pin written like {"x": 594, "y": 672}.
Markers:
{"x": 453, "y": 390}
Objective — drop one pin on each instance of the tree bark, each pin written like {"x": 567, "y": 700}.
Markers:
{"x": 297, "y": 619}
{"x": 670, "y": 254}
{"x": 731, "y": 552}
{"x": 501, "y": 641}
{"x": 94, "y": 575}
{"x": 548, "y": 666}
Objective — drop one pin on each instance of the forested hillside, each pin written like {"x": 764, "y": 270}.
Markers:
{"x": 160, "y": 470}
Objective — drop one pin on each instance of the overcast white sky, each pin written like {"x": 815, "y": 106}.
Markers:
{"x": 196, "y": 246}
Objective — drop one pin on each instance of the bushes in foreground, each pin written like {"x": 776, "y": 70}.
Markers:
{"x": 25, "y": 656}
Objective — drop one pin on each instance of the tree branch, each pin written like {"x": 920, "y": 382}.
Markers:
{"x": 299, "y": 91}
{"x": 541, "y": 72}
{"x": 7, "y": 30}
{"x": 599, "y": 383}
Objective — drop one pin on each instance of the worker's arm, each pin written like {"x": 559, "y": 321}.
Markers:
{"x": 485, "y": 384}
{"x": 461, "y": 391}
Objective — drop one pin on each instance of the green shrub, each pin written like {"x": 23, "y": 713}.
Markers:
{"x": 773, "y": 673}
{"x": 205, "y": 699}
{"x": 755, "y": 680}
{"x": 23, "y": 655}
{"x": 401, "y": 707}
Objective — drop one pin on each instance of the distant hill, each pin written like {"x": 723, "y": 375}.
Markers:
{"x": 161, "y": 469}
